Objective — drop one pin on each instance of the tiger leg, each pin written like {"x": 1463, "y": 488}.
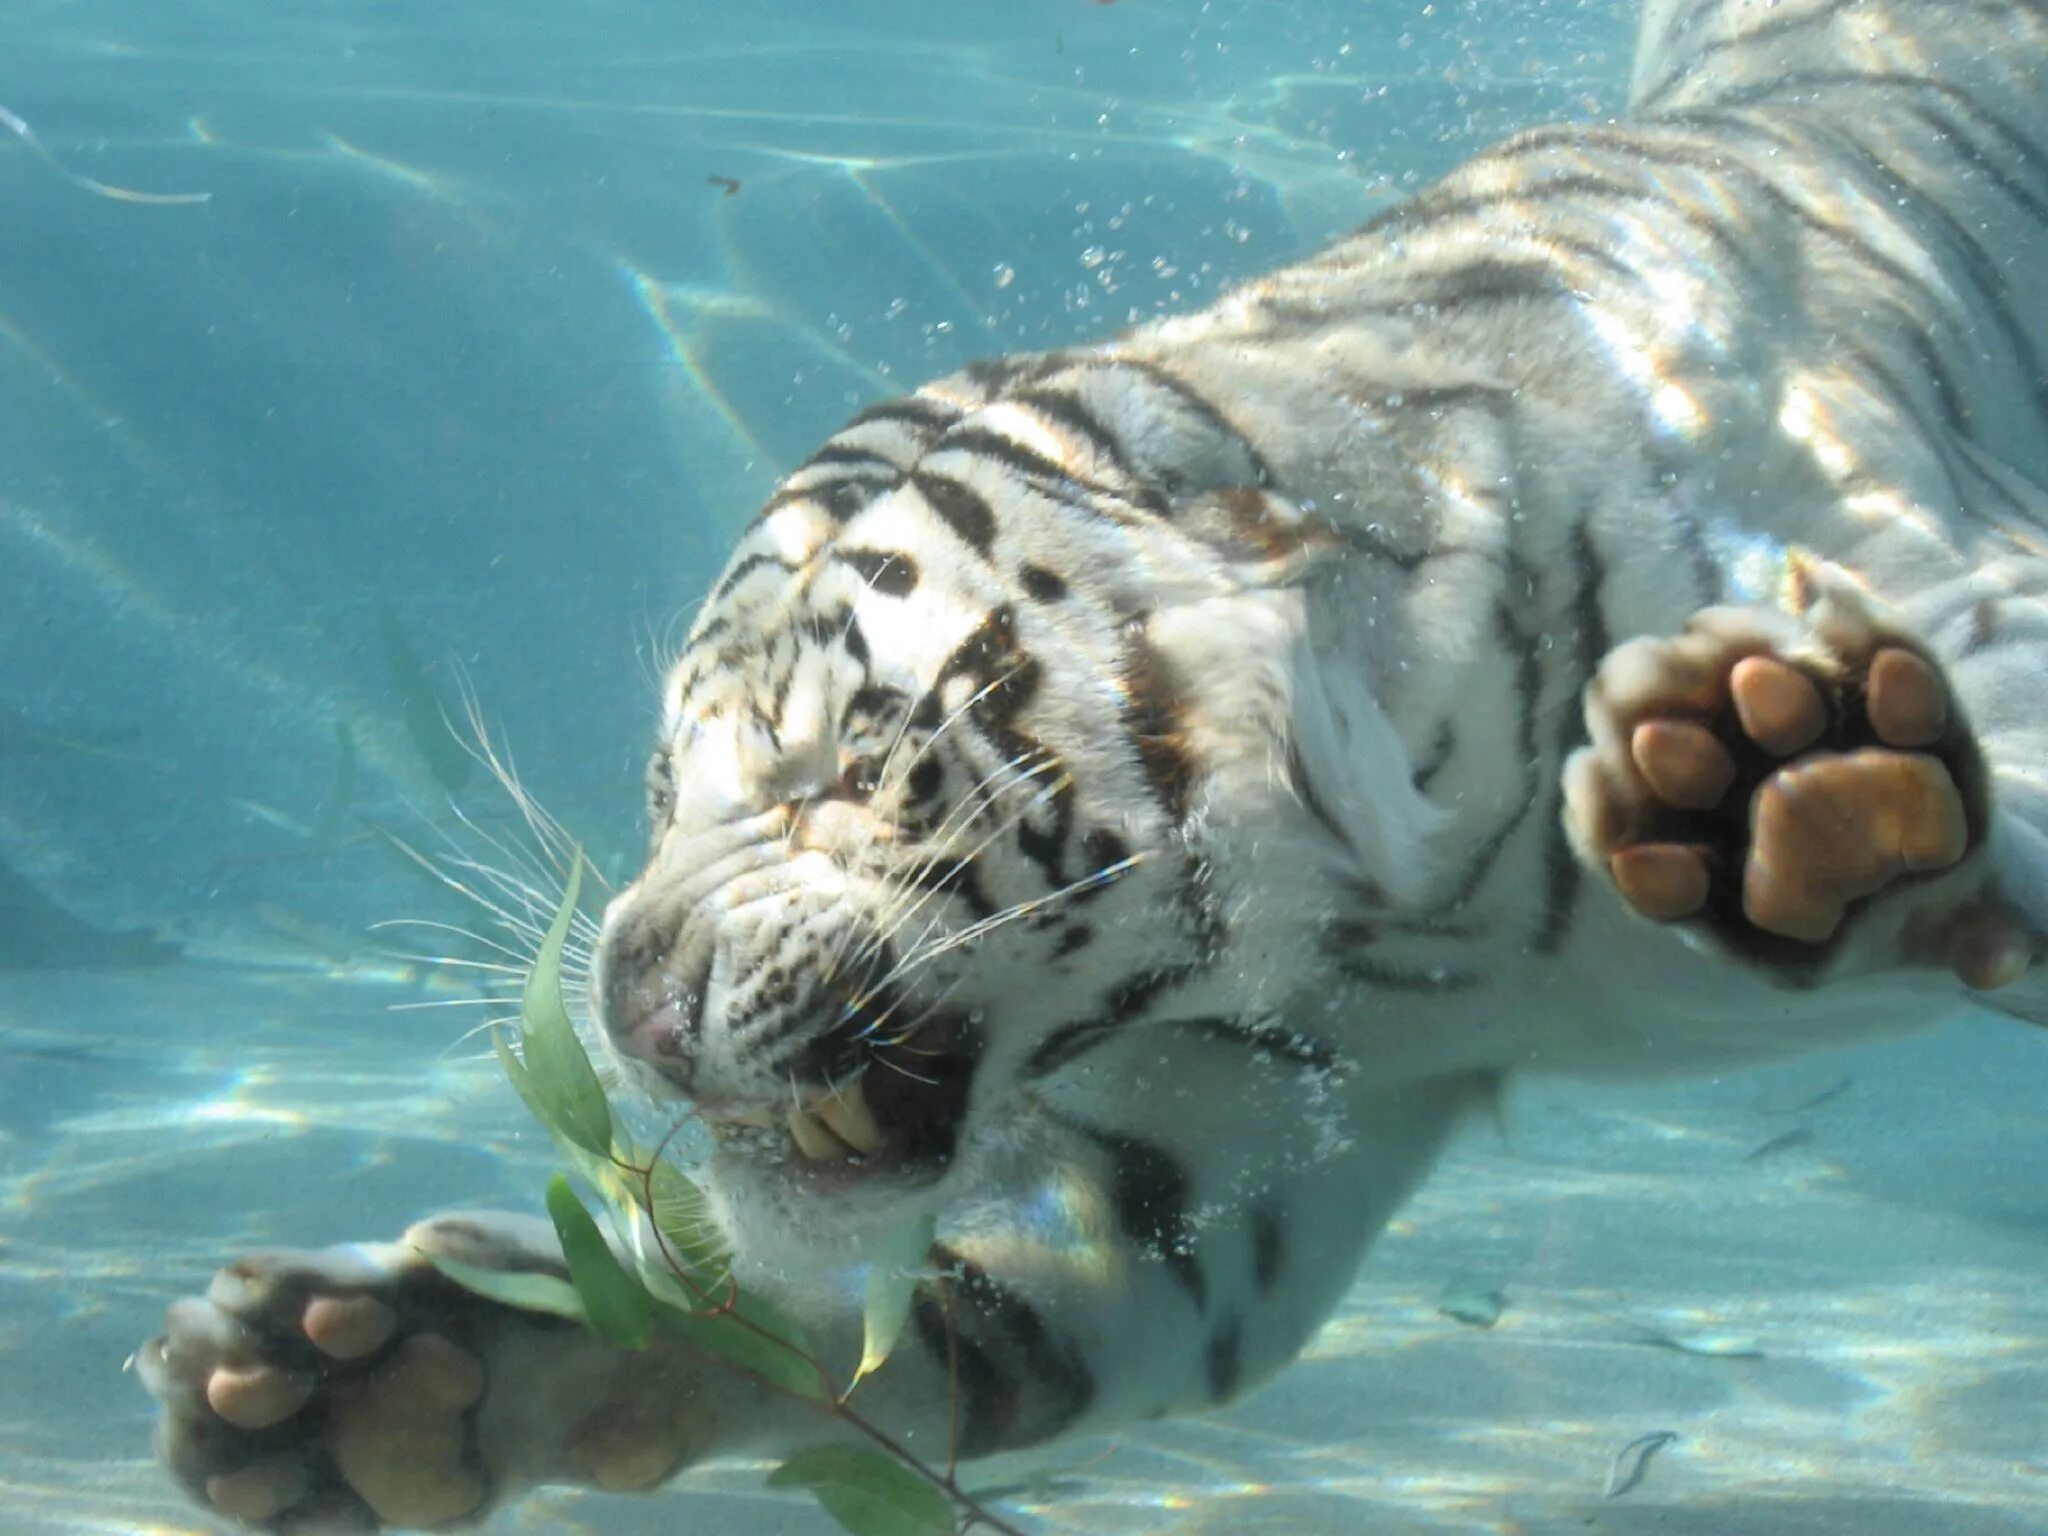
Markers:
{"x": 356, "y": 1389}
{"x": 1796, "y": 787}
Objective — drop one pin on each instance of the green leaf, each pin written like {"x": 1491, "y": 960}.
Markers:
{"x": 769, "y": 1318}
{"x": 522, "y": 1290}
{"x": 617, "y": 1304}
{"x": 867, "y": 1492}
{"x": 683, "y": 1217}
{"x": 779, "y": 1360}
{"x": 891, "y": 1281}
{"x": 515, "y": 1069}
{"x": 560, "y": 1085}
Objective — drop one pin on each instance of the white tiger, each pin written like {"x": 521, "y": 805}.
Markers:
{"x": 1139, "y": 798}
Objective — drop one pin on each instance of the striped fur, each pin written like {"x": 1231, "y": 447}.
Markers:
{"x": 1148, "y": 756}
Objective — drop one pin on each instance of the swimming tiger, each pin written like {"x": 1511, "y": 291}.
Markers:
{"x": 1129, "y": 804}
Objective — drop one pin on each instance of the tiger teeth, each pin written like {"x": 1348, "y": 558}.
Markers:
{"x": 836, "y": 1126}
{"x": 812, "y": 1139}
{"x": 847, "y": 1116}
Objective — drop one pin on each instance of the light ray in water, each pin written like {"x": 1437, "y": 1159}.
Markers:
{"x": 18, "y": 126}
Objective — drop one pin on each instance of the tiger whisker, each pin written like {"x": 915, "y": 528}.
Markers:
{"x": 447, "y": 1002}
{"x": 973, "y": 804}
{"x": 976, "y": 801}
{"x": 470, "y": 1034}
{"x": 915, "y": 1024}
{"x": 966, "y": 808}
{"x": 915, "y": 1077}
{"x": 521, "y": 895}
{"x": 938, "y": 731}
{"x": 1104, "y": 876}
{"x": 461, "y": 963}
{"x": 550, "y": 835}
{"x": 537, "y": 902}
{"x": 930, "y": 742}
{"x": 517, "y": 956}
{"x": 522, "y": 926}
{"x": 899, "y": 968}
{"x": 914, "y": 879}
{"x": 883, "y": 774}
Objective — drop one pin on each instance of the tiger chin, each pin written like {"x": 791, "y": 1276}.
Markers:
{"x": 1130, "y": 805}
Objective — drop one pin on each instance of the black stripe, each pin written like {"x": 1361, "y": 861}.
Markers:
{"x": 1123, "y": 1003}
{"x": 862, "y": 462}
{"x": 1021, "y": 1381}
{"x": 1003, "y": 674}
{"x": 1223, "y": 1360}
{"x": 872, "y": 707}
{"x": 840, "y": 497}
{"x": 1528, "y": 679}
{"x": 2014, "y": 145}
{"x": 1441, "y": 751}
{"x": 1562, "y": 876}
{"x": 965, "y": 511}
{"x": 1073, "y": 938}
{"x": 1192, "y": 401}
{"x": 1072, "y": 416}
{"x": 1386, "y": 978}
{"x": 1065, "y": 1045}
{"x": 1707, "y": 575}
{"x": 1697, "y": 57}
{"x": 1149, "y": 1192}
{"x": 993, "y": 375}
{"x": 1945, "y": 131}
{"x": 2000, "y": 12}
{"x": 1937, "y": 228}
{"x": 889, "y": 572}
{"x": 746, "y": 567}
{"x": 1484, "y": 280}
{"x": 1152, "y": 714}
{"x": 1269, "y": 1246}
{"x": 1274, "y": 1041}
{"x": 1715, "y": 163}
{"x": 1044, "y": 585}
{"x": 953, "y": 877}
{"x": 709, "y": 631}
{"x": 1046, "y": 847}
{"x": 1372, "y": 542}
{"x": 1908, "y": 402}
{"x": 922, "y": 417}
{"x": 1578, "y": 189}
{"x": 1311, "y": 799}
{"x": 1026, "y": 463}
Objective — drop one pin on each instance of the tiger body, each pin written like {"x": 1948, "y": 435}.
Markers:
{"x": 1270, "y": 625}
{"x": 1186, "y": 720}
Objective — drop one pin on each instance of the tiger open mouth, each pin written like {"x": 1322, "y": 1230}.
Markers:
{"x": 861, "y": 1106}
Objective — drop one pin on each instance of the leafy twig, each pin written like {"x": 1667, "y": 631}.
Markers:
{"x": 881, "y": 1488}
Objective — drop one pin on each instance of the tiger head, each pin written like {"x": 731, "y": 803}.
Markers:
{"x": 936, "y": 804}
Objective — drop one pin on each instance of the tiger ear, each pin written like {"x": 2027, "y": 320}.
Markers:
{"x": 1269, "y": 540}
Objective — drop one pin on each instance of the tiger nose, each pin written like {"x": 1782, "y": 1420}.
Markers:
{"x": 652, "y": 1006}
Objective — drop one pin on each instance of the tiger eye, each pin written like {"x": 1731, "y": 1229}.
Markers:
{"x": 860, "y": 778}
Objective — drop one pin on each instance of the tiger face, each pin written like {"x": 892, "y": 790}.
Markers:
{"x": 928, "y": 794}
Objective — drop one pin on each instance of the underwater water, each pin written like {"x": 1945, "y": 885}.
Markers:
{"x": 495, "y": 323}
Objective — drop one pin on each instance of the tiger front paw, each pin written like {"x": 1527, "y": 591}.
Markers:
{"x": 1766, "y": 776}
{"x": 356, "y": 1389}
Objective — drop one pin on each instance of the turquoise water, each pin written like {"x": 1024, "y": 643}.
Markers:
{"x": 462, "y": 377}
